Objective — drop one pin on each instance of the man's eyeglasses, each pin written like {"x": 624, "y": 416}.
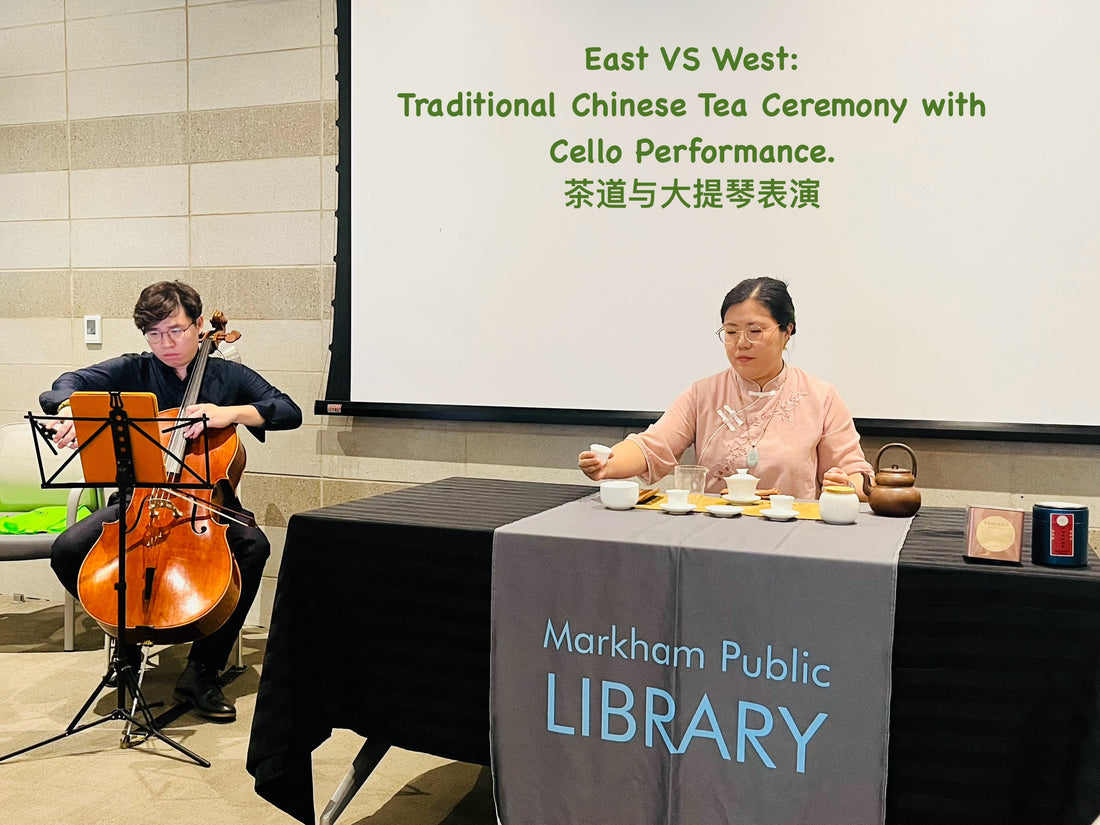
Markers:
{"x": 753, "y": 334}
{"x": 155, "y": 336}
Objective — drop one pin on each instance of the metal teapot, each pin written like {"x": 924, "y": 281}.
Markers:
{"x": 893, "y": 493}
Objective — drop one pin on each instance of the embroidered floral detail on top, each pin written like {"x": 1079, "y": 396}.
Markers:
{"x": 739, "y": 444}
{"x": 785, "y": 409}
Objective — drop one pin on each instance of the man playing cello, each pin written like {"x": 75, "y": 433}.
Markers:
{"x": 169, "y": 314}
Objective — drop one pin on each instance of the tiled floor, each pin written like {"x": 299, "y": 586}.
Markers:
{"x": 87, "y": 778}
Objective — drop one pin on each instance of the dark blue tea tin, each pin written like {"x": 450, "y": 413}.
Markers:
{"x": 1060, "y": 534}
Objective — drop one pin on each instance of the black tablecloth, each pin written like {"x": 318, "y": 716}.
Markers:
{"x": 381, "y": 625}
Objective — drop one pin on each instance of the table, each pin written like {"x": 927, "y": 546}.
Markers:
{"x": 381, "y": 625}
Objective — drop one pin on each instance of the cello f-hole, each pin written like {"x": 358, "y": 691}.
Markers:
{"x": 137, "y": 514}
{"x": 194, "y": 522}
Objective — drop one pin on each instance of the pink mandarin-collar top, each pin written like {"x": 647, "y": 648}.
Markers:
{"x": 800, "y": 431}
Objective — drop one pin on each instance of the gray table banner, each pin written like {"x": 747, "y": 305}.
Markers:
{"x": 654, "y": 668}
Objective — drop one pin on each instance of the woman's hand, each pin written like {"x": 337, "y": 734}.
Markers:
{"x": 835, "y": 475}
{"x": 591, "y": 465}
{"x": 626, "y": 461}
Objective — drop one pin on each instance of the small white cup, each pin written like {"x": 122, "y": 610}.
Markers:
{"x": 602, "y": 452}
{"x": 619, "y": 495}
{"x": 678, "y": 498}
{"x": 781, "y": 505}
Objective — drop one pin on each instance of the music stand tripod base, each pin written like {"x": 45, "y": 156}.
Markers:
{"x": 118, "y": 423}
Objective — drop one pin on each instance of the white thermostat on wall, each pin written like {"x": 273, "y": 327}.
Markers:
{"x": 93, "y": 329}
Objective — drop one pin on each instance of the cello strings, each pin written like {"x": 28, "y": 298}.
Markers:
{"x": 218, "y": 509}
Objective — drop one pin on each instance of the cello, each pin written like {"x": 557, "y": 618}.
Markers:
{"x": 176, "y": 547}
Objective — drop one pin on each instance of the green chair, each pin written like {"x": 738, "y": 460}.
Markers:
{"x": 21, "y": 491}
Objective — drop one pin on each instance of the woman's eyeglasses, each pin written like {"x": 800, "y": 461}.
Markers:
{"x": 753, "y": 334}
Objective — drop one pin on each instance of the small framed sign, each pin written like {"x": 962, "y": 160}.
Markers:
{"x": 994, "y": 534}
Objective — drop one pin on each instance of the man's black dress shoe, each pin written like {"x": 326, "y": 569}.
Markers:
{"x": 198, "y": 684}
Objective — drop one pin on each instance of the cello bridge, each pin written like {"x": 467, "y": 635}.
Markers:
{"x": 157, "y": 503}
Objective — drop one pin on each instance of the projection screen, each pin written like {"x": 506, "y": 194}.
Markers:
{"x": 543, "y": 204}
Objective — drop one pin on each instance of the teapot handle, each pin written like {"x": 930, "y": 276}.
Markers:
{"x": 912, "y": 455}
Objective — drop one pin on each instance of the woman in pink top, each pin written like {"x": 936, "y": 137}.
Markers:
{"x": 790, "y": 429}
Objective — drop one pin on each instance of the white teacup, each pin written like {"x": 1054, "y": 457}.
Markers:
{"x": 678, "y": 498}
{"x": 619, "y": 495}
{"x": 602, "y": 452}
{"x": 741, "y": 486}
{"x": 781, "y": 505}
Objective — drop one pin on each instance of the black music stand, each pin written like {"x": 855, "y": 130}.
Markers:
{"x": 121, "y": 426}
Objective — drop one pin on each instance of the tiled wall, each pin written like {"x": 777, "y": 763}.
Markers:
{"x": 143, "y": 140}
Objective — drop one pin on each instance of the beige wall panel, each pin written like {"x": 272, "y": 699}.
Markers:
{"x": 213, "y": 289}
{"x": 29, "y": 12}
{"x": 128, "y": 90}
{"x": 37, "y": 340}
{"x": 32, "y": 49}
{"x": 119, "y": 337}
{"x": 963, "y": 498}
{"x": 392, "y": 470}
{"x": 258, "y": 132}
{"x": 291, "y": 453}
{"x": 35, "y": 294}
{"x": 126, "y": 39}
{"x": 241, "y": 28}
{"x": 533, "y": 445}
{"x": 330, "y": 180}
{"x": 37, "y": 147}
{"x": 277, "y": 537}
{"x": 329, "y": 87}
{"x": 31, "y": 196}
{"x": 77, "y": 9}
{"x": 265, "y": 598}
{"x": 144, "y": 140}
{"x": 1026, "y": 502}
{"x": 256, "y": 79}
{"x": 394, "y": 438}
{"x": 22, "y": 385}
{"x": 34, "y": 245}
{"x": 515, "y": 472}
{"x": 328, "y": 290}
{"x": 328, "y": 21}
{"x": 304, "y": 388}
{"x": 1058, "y": 474}
{"x": 260, "y": 614}
{"x": 136, "y": 191}
{"x": 273, "y": 498}
{"x": 331, "y": 137}
{"x": 295, "y": 346}
{"x": 130, "y": 242}
{"x": 37, "y": 98}
{"x": 283, "y": 293}
{"x": 123, "y": 287}
{"x": 336, "y": 491}
{"x": 268, "y": 185}
{"x": 328, "y": 236}
{"x": 274, "y": 238}
{"x": 112, "y": 293}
